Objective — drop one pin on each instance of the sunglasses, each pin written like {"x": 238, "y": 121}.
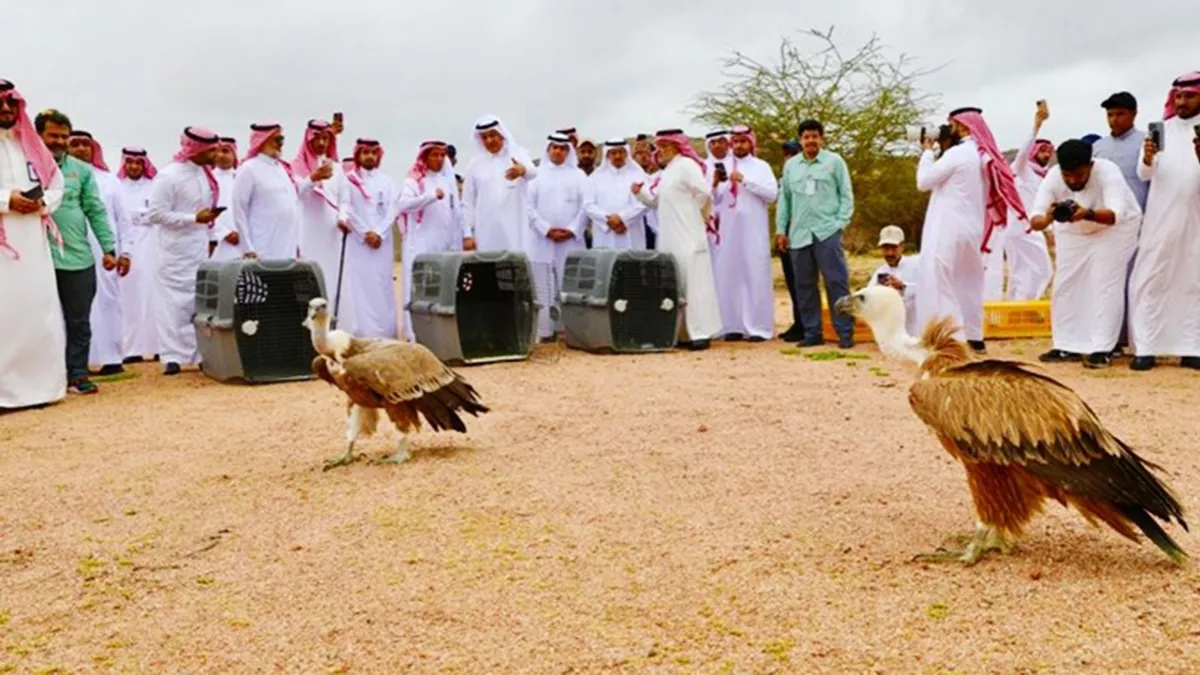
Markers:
{"x": 9, "y": 102}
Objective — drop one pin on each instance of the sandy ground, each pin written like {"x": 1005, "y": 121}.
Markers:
{"x": 742, "y": 510}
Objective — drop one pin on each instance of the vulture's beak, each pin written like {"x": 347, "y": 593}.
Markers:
{"x": 845, "y": 305}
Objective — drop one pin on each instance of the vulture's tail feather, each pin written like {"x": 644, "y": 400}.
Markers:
{"x": 1151, "y": 529}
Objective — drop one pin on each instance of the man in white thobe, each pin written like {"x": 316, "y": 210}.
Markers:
{"x": 32, "y": 370}
{"x": 900, "y": 272}
{"x": 226, "y": 172}
{"x": 183, "y": 206}
{"x": 1029, "y": 266}
{"x": 973, "y": 189}
{"x": 140, "y": 240}
{"x": 430, "y": 215}
{"x": 366, "y": 305}
{"x": 615, "y": 214}
{"x": 266, "y": 205}
{"x": 1164, "y": 287}
{"x": 716, "y": 161}
{"x": 744, "y": 276}
{"x": 1095, "y": 217}
{"x": 643, "y": 154}
{"x": 108, "y": 338}
{"x": 324, "y": 200}
{"x": 558, "y": 201}
{"x": 683, "y": 197}
{"x": 495, "y": 190}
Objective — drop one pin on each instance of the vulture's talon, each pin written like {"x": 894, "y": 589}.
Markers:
{"x": 348, "y": 458}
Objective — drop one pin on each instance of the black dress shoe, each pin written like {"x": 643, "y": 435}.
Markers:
{"x": 110, "y": 369}
{"x": 1098, "y": 360}
{"x": 1142, "y": 363}
{"x": 134, "y": 359}
{"x": 1059, "y": 356}
{"x": 812, "y": 342}
{"x": 977, "y": 346}
{"x": 846, "y": 343}
{"x": 172, "y": 369}
{"x": 757, "y": 338}
{"x": 698, "y": 345}
{"x": 1192, "y": 362}
{"x": 792, "y": 334}
{"x": 734, "y": 337}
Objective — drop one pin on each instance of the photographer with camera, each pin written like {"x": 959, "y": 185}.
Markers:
{"x": 1096, "y": 219}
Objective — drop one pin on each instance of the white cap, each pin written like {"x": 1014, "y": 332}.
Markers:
{"x": 891, "y": 234}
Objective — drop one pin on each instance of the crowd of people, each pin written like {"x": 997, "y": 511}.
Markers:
{"x": 100, "y": 268}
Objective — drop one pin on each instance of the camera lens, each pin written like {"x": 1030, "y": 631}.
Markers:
{"x": 1063, "y": 211}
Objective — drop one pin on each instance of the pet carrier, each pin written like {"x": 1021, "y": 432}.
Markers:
{"x": 621, "y": 301}
{"x": 473, "y": 307}
{"x": 249, "y": 319}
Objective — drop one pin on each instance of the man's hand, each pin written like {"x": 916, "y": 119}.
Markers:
{"x": 781, "y": 243}
{"x": 927, "y": 143}
{"x": 109, "y": 262}
{"x": 232, "y": 239}
{"x": 343, "y": 227}
{"x": 250, "y": 255}
{"x": 124, "y": 264}
{"x": 1149, "y": 149}
{"x": 560, "y": 234}
{"x": 1041, "y": 222}
{"x": 1079, "y": 214}
{"x": 323, "y": 172}
{"x": 469, "y": 243}
{"x": 515, "y": 171}
{"x": 894, "y": 282}
{"x": 1040, "y": 117}
{"x": 20, "y": 204}
{"x": 206, "y": 216}
{"x": 617, "y": 225}
{"x": 636, "y": 188}
{"x": 440, "y": 194}
{"x": 373, "y": 240}
{"x": 736, "y": 177}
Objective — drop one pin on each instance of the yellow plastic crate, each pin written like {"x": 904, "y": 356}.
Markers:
{"x": 1001, "y": 320}
{"x": 1016, "y": 319}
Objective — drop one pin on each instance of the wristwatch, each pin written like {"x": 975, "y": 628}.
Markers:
{"x": 1090, "y": 214}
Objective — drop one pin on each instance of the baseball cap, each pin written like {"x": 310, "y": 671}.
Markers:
{"x": 1122, "y": 100}
{"x": 891, "y": 234}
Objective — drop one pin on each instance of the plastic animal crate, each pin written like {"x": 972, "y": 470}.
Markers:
{"x": 621, "y": 300}
{"x": 862, "y": 332}
{"x": 249, "y": 319}
{"x": 472, "y": 307}
{"x": 1026, "y": 319}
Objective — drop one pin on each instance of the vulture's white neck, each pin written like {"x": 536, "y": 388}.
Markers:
{"x": 894, "y": 340}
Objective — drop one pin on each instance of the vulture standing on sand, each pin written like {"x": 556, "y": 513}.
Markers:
{"x": 1022, "y": 436}
{"x": 403, "y": 379}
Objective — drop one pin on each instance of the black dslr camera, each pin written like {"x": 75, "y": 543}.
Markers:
{"x": 1063, "y": 210}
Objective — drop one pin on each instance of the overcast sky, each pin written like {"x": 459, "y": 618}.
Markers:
{"x": 137, "y": 71}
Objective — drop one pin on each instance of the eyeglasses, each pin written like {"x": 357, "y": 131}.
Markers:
{"x": 9, "y": 102}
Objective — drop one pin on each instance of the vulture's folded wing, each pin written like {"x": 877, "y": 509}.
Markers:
{"x": 1003, "y": 412}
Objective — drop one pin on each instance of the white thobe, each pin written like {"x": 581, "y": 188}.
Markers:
{"x": 440, "y": 229}
{"x": 266, "y": 209}
{"x": 1087, "y": 306}
{"x": 742, "y": 266}
{"x": 493, "y": 206}
{"x": 367, "y": 307}
{"x": 557, "y": 199}
{"x": 1029, "y": 266}
{"x": 719, "y": 193}
{"x": 180, "y": 191}
{"x": 951, "y": 273}
{"x": 680, "y": 197}
{"x": 1164, "y": 286}
{"x": 906, "y": 271}
{"x": 107, "y": 346}
{"x": 140, "y": 240}
{"x": 611, "y": 195}
{"x": 320, "y": 238}
{"x": 32, "y": 369}
{"x": 225, "y": 224}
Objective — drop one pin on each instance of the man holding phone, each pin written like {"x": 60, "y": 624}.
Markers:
{"x": 899, "y": 272}
{"x": 1164, "y": 287}
{"x": 81, "y": 210}
{"x": 32, "y": 371}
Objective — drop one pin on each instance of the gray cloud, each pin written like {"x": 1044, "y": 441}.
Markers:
{"x": 137, "y": 71}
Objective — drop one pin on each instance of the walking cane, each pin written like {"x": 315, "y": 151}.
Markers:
{"x": 337, "y": 298}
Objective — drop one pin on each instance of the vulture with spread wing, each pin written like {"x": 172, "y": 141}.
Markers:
{"x": 403, "y": 379}
{"x": 1022, "y": 436}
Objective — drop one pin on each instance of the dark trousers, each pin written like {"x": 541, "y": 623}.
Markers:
{"x": 76, "y": 290}
{"x": 828, "y": 259}
{"x": 789, "y": 280}
{"x": 651, "y": 237}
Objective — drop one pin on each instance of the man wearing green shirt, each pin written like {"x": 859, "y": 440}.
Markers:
{"x": 816, "y": 202}
{"x": 75, "y": 265}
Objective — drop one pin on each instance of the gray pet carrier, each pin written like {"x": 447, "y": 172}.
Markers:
{"x": 621, "y": 301}
{"x": 249, "y": 316}
{"x": 472, "y": 307}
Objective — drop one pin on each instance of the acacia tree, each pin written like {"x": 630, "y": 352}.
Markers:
{"x": 865, "y": 99}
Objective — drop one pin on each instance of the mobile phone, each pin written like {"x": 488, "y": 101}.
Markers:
{"x": 1041, "y": 104}
{"x": 337, "y": 117}
{"x": 34, "y": 193}
{"x": 882, "y": 277}
{"x": 1156, "y": 134}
